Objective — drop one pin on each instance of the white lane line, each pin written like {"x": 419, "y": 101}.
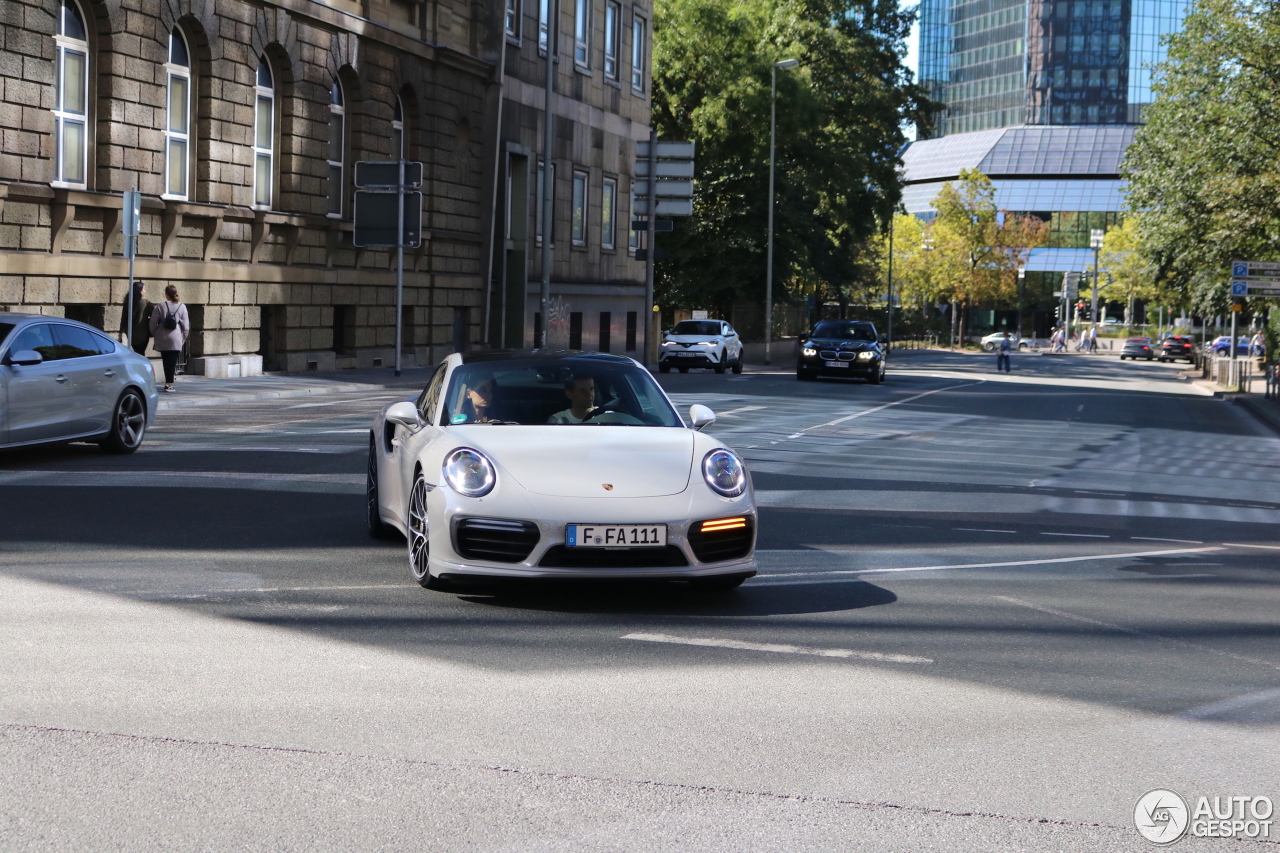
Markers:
{"x": 340, "y": 402}
{"x": 161, "y": 594}
{"x": 885, "y": 406}
{"x": 740, "y": 410}
{"x": 778, "y": 648}
{"x": 1062, "y": 614}
{"x": 1079, "y": 535}
{"x": 982, "y": 530}
{"x": 1158, "y": 539}
{"x": 1245, "y": 545}
{"x": 990, "y": 565}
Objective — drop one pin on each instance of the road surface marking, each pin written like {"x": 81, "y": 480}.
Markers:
{"x": 740, "y": 410}
{"x": 1243, "y": 545}
{"x": 1226, "y": 706}
{"x": 1134, "y": 631}
{"x": 1158, "y": 539}
{"x": 778, "y": 648}
{"x": 1079, "y": 535}
{"x": 885, "y": 406}
{"x": 982, "y": 530}
{"x": 990, "y": 565}
{"x": 340, "y": 402}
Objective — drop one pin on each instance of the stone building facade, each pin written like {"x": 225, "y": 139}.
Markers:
{"x": 600, "y": 110}
{"x": 240, "y": 121}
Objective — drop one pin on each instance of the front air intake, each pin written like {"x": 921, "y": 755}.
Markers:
{"x": 721, "y": 539}
{"x": 499, "y": 540}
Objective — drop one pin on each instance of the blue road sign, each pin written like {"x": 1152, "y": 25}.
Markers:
{"x": 1239, "y": 288}
{"x": 1239, "y": 268}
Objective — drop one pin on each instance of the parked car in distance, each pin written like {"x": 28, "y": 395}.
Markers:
{"x": 1111, "y": 321}
{"x": 490, "y": 474}
{"x": 1136, "y": 348}
{"x": 991, "y": 341}
{"x": 700, "y": 343}
{"x": 1222, "y": 345}
{"x": 65, "y": 381}
{"x": 1175, "y": 347}
{"x": 842, "y": 348}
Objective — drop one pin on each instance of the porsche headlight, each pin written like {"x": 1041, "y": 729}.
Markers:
{"x": 469, "y": 472}
{"x": 724, "y": 472}
{"x": 866, "y": 356}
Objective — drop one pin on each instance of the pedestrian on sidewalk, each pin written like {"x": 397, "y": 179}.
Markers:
{"x": 1258, "y": 346}
{"x": 138, "y": 333}
{"x": 170, "y": 326}
{"x": 1056, "y": 343}
{"x": 1093, "y": 339}
{"x": 1003, "y": 347}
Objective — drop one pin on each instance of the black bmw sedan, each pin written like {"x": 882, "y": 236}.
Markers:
{"x": 842, "y": 348}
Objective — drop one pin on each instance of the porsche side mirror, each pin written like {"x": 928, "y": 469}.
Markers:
{"x": 25, "y": 358}
{"x": 405, "y": 415}
{"x": 701, "y": 416}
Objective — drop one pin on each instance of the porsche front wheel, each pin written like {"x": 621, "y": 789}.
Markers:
{"x": 419, "y": 539}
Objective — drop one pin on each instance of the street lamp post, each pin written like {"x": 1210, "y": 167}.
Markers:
{"x": 773, "y": 132}
{"x": 1096, "y": 236}
{"x": 1022, "y": 278}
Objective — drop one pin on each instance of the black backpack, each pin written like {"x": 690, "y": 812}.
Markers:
{"x": 170, "y": 321}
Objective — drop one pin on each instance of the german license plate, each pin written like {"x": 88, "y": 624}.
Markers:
{"x": 836, "y": 363}
{"x": 615, "y": 536}
{"x": 687, "y": 354}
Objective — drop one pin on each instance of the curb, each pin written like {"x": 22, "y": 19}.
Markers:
{"x": 166, "y": 405}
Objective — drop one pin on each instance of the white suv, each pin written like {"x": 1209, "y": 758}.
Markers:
{"x": 701, "y": 343}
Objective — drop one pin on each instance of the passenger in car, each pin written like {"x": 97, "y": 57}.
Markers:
{"x": 581, "y": 391}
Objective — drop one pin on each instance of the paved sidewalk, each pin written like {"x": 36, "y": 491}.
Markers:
{"x": 199, "y": 391}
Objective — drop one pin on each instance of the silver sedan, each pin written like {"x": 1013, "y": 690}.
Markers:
{"x": 64, "y": 381}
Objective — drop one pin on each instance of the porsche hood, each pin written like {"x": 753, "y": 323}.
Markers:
{"x": 586, "y": 461}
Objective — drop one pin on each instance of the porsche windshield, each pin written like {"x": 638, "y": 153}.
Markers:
{"x": 566, "y": 391}
{"x": 834, "y": 330}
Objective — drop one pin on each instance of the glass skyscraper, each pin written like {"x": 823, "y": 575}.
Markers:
{"x": 1000, "y": 63}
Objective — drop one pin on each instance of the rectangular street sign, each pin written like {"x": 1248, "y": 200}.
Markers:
{"x": 1256, "y": 287}
{"x": 1255, "y": 269}
{"x": 371, "y": 173}
{"x": 666, "y": 207}
{"x": 659, "y": 225}
{"x": 666, "y": 150}
{"x": 666, "y": 168}
{"x": 374, "y": 219}
{"x": 666, "y": 189}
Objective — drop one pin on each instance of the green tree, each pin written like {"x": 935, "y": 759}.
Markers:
{"x": 840, "y": 119}
{"x": 1126, "y": 271}
{"x": 1204, "y": 175}
{"x": 976, "y": 248}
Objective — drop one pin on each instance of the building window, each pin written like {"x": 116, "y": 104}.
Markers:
{"x": 177, "y": 142}
{"x": 638, "y": 38}
{"x": 397, "y": 131}
{"x": 513, "y": 18}
{"x": 544, "y": 18}
{"x": 337, "y": 131}
{"x": 612, "y": 32}
{"x": 606, "y": 328}
{"x": 264, "y": 138}
{"x": 71, "y": 97}
{"x": 579, "y": 220}
{"x": 633, "y": 236}
{"x": 537, "y": 200}
{"x": 575, "y": 330}
{"x": 608, "y": 213}
{"x": 582, "y": 33}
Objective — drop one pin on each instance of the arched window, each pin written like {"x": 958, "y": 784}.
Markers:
{"x": 337, "y": 128}
{"x": 397, "y": 131}
{"x": 264, "y": 137}
{"x": 71, "y": 97}
{"x": 177, "y": 142}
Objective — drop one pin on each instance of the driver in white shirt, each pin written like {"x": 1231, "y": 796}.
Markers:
{"x": 581, "y": 391}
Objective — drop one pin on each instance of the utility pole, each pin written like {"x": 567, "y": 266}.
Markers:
{"x": 888, "y": 332}
{"x": 1096, "y": 237}
{"x": 650, "y": 339}
{"x": 547, "y": 193}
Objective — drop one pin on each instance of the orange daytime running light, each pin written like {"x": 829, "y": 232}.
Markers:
{"x": 721, "y": 524}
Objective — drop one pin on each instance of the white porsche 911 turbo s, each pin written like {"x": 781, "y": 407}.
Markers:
{"x": 568, "y": 465}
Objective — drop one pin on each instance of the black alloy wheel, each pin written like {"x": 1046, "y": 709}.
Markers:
{"x": 720, "y": 366}
{"x": 737, "y": 365}
{"x": 378, "y": 528}
{"x": 664, "y": 368}
{"x": 683, "y": 369}
{"x": 876, "y": 376}
{"x": 128, "y": 424}
{"x": 420, "y": 536}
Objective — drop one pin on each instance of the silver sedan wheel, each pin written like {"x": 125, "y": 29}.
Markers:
{"x": 419, "y": 545}
{"x": 128, "y": 424}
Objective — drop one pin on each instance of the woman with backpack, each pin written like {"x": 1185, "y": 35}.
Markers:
{"x": 170, "y": 326}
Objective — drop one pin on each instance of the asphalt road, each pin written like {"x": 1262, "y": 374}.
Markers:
{"x": 992, "y": 612}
